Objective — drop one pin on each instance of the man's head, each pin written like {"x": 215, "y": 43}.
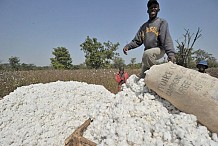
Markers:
{"x": 153, "y": 9}
{"x": 121, "y": 69}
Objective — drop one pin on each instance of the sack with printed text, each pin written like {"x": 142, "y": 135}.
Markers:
{"x": 188, "y": 90}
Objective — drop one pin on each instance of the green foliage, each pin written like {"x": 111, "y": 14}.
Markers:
{"x": 203, "y": 55}
{"x": 192, "y": 64}
{"x": 62, "y": 59}
{"x": 183, "y": 56}
{"x": 118, "y": 61}
{"x": 212, "y": 62}
{"x": 133, "y": 60}
{"x": 92, "y": 48}
{"x": 80, "y": 66}
{"x": 14, "y": 62}
{"x": 1, "y": 66}
{"x": 25, "y": 66}
{"x": 134, "y": 66}
{"x": 132, "y": 63}
{"x": 98, "y": 55}
{"x": 138, "y": 65}
{"x": 109, "y": 53}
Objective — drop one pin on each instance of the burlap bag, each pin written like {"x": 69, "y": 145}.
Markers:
{"x": 189, "y": 90}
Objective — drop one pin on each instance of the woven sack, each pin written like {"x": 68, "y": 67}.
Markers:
{"x": 188, "y": 90}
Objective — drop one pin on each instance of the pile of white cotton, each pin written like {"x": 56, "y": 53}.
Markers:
{"x": 46, "y": 114}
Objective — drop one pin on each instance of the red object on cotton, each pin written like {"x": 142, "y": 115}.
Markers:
{"x": 121, "y": 79}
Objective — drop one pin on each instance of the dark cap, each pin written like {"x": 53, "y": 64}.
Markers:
{"x": 150, "y": 2}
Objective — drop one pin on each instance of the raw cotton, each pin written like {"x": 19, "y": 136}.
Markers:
{"x": 46, "y": 114}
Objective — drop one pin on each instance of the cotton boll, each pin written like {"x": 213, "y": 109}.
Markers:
{"x": 212, "y": 143}
{"x": 159, "y": 142}
{"x": 186, "y": 142}
{"x": 167, "y": 136}
{"x": 109, "y": 142}
{"x": 148, "y": 96}
{"x": 123, "y": 143}
{"x": 134, "y": 86}
{"x": 214, "y": 137}
{"x": 121, "y": 131}
{"x": 135, "y": 137}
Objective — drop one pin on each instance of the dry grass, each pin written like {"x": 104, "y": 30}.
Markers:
{"x": 9, "y": 81}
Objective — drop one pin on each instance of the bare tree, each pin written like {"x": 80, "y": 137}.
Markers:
{"x": 185, "y": 48}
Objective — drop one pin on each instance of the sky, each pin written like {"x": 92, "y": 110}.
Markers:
{"x": 30, "y": 29}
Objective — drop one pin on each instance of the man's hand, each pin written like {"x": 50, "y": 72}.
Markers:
{"x": 125, "y": 49}
{"x": 172, "y": 59}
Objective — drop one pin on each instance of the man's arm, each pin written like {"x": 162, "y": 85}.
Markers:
{"x": 166, "y": 40}
{"x": 136, "y": 42}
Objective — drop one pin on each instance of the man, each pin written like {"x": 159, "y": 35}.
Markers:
{"x": 121, "y": 77}
{"x": 155, "y": 36}
{"x": 202, "y": 65}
